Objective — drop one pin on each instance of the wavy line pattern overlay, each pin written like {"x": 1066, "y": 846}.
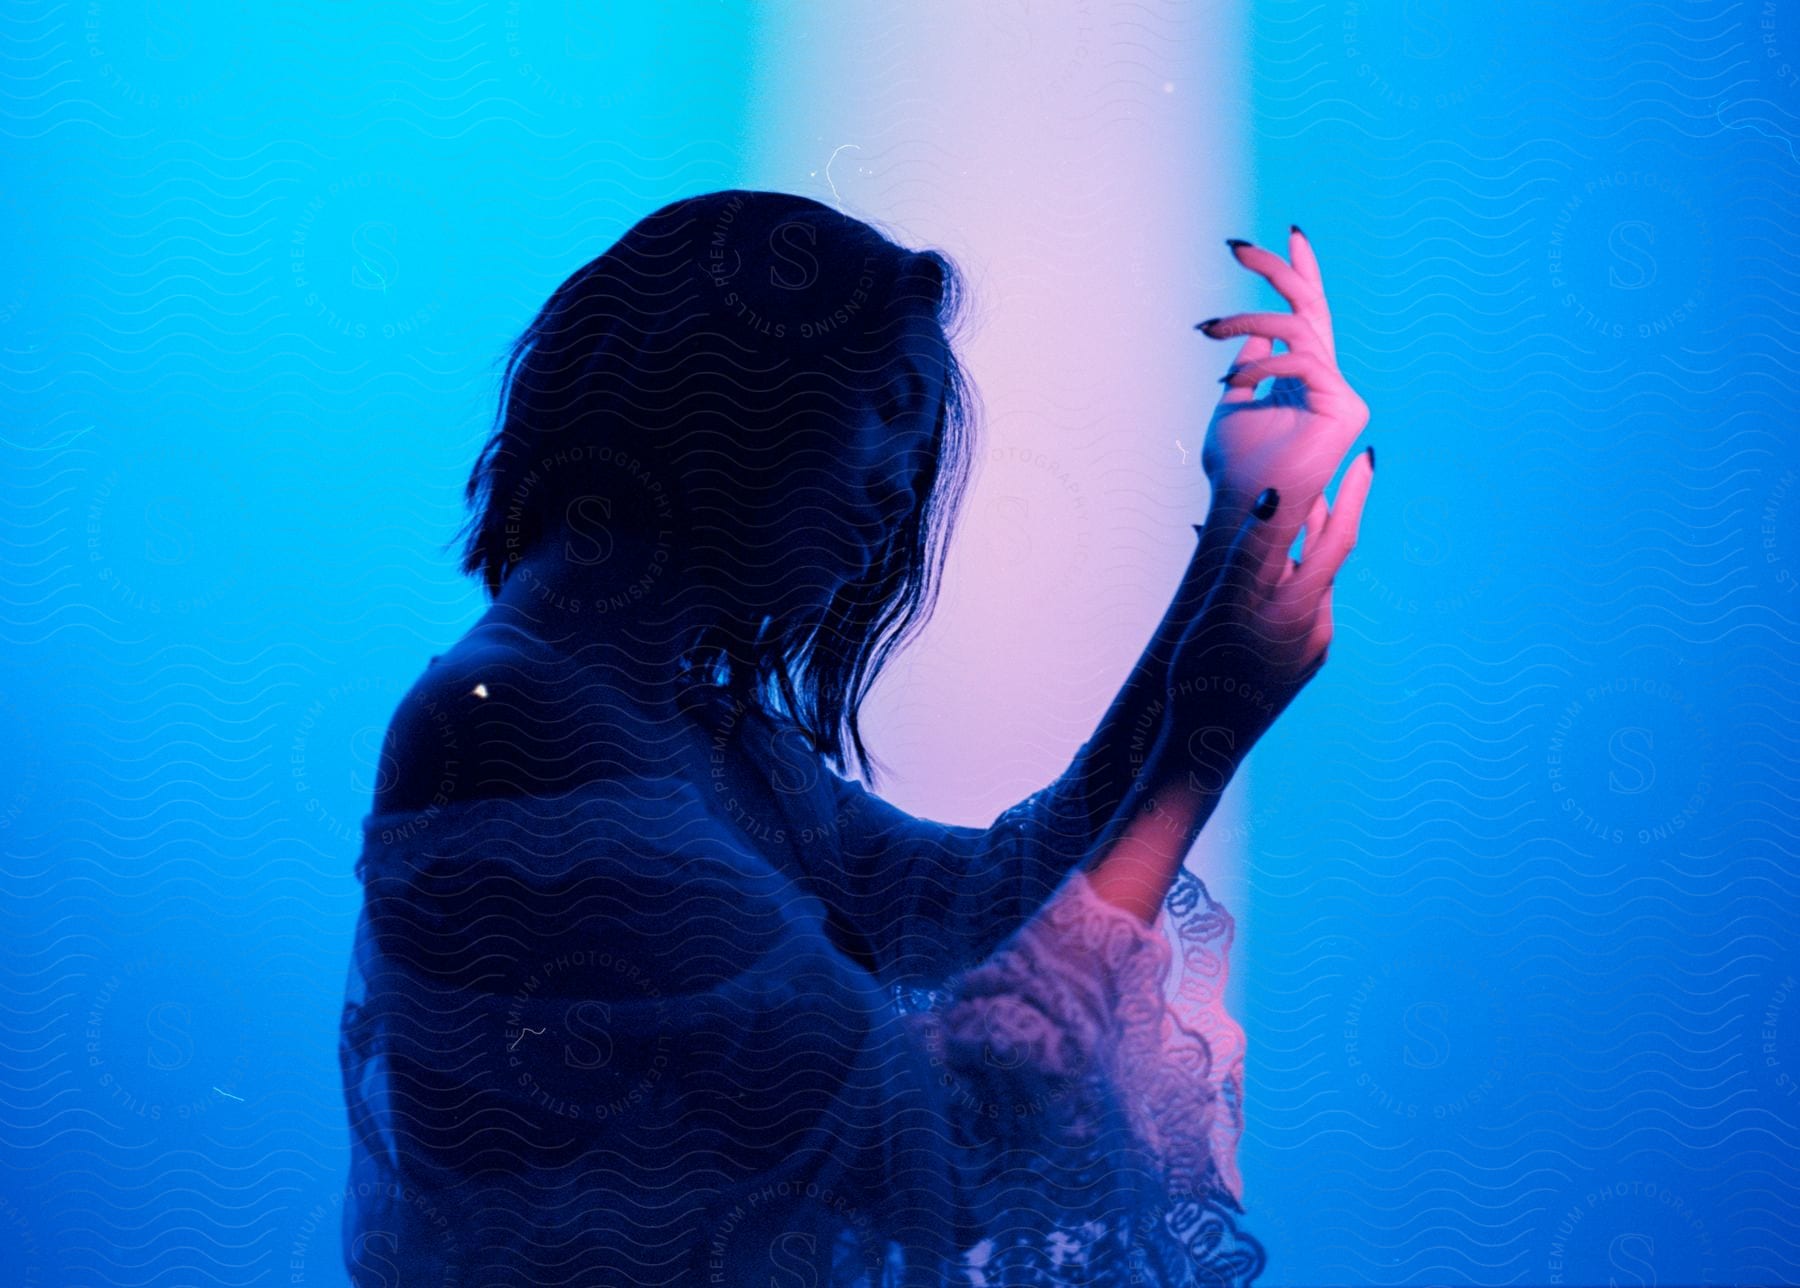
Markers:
{"x": 1516, "y": 960}
{"x": 1522, "y": 957}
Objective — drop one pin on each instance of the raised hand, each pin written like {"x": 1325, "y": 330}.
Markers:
{"x": 1294, "y": 439}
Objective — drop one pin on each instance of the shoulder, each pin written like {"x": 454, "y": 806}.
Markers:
{"x": 499, "y": 714}
{"x": 429, "y": 755}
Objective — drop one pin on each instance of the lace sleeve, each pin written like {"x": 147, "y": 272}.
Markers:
{"x": 1094, "y": 1053}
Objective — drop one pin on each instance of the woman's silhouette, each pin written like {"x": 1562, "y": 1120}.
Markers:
{"x": 645, "y": 990}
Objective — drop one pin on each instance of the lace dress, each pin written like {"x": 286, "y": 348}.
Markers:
{"x": 777, "y": 1031}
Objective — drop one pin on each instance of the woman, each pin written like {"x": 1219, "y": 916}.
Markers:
{"x": 644, "y": 989}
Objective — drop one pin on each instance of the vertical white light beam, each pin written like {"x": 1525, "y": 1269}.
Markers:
{"x": 1083, "y": 163}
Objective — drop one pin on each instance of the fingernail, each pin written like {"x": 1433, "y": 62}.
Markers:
{"x": 1201, "y": 326}
{"x": 1371, "y": 457}
{"x": 1295, "y": 228}
{"x": 1266, "y": 502}
{"x": 1236, "y": 242}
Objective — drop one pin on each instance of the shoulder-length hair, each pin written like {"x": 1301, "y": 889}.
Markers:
{"x": 707, "y": 317}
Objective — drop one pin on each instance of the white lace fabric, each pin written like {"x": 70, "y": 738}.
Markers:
{"x": 1098, "y": 1091}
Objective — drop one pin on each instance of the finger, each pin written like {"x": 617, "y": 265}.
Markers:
{"x": 1300, "y": 252}
{"x": 1309, "y": 368}
{"x": 1316, "y": 518}
{"x": 1319, "y": 641}
{"x": 1323, "y": 384}
{"x": 1290, "y": 328}
{"x": 1302, "y": 296}
{"x": 1257, "y": 346}
{"x": 1323, "y": 561}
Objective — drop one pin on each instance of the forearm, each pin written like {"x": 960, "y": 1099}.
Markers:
{"x": 1138, "y": 853}
{"x": 1102, "y": 776}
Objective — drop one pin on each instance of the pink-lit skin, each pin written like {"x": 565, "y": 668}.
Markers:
{"x": 1264, "y": 626}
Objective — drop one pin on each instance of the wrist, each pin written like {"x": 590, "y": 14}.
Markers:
{"x": 1230, "y": 502}
{"x": 1226, "y": 512}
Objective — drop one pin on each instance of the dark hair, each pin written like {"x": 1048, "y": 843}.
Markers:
{"x": 705, "y": 317}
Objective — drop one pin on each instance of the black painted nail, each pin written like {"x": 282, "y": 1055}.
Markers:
{"x": 1371, "y": 457}
{"x": 1295, "y": 228}
{"x": 1201, "y": 326}
{"x": 1235, "y": 242}
{"x": 1266, "y": 503}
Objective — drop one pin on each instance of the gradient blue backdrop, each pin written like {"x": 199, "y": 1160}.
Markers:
{"x": 1522, "y": 991}
{"x": 1520, "y": 980}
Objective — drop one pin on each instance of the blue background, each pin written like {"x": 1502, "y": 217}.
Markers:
{"x": 1522, "y": 999}
{"x": 1521, "y": 992}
